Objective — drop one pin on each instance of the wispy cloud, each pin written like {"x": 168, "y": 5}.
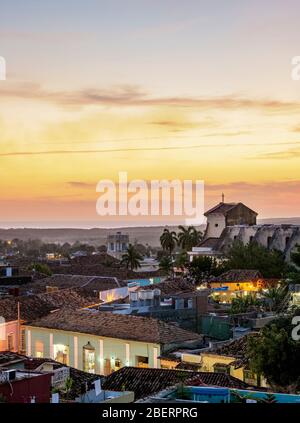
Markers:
{"x": 289, "y": 186}
{"x": 158, "y": 148}
{"x": 292, "y": 153}
{"x": 129, "y": 95}
{"x": 80, "y": 184}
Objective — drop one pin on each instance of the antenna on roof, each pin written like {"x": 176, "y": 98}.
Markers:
{"x": 223, "y": 197}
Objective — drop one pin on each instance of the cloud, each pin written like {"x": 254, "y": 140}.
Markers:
{"x": 133, "y": 149}
{"x": 181, "y": 125}
{"x": 79, "y": 184}
{"x": 289, "y": 186}
{"x": 292, "y": 153}
{"x": 128, "y": 95}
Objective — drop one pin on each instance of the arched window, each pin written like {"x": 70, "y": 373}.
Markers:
{"x": 89, "y": 358}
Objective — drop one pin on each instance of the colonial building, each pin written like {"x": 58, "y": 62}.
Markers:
{"x": 117, "y": 244}
{"x": 238, "y": 282}
{"x": 227, "y": 222}
{"x": 227, "y": 214}
{"x": 102, "y": 342}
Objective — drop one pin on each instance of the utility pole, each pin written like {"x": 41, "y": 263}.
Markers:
{"x": 19, "y": 328}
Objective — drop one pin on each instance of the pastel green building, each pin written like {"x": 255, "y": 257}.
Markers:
{"x": 102, "y": 342}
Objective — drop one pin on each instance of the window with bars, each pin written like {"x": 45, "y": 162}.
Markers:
{"x": 23, "y": 342}
{"x": 10, "y": 342}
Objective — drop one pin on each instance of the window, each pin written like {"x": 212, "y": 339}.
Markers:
{"x": 39, "y": 349}
{"x": 23, "y": 341}
{"x": 216, "y": 225}
{"x": 89, "y": 358}
{"x": 221, "y": 368}
{"x": 61, "y": 353}
{"x": 250, "y": 377}
{"x": 112, "y": 246}
{"x": 10, "y": 342}
{"x": 142, "y": 361}
{"x": 251, "y": 238}
{"x": 118, "y": 364}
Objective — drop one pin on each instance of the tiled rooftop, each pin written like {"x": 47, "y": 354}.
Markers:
{"x": 35, "y": 306}
{"x": 117, "y": 326}
{"x": 31, "y": 307}
{"x": 236, "y": 349}
{"x": 238, "y": 275}
{"x": 146, "y": 382}
{"x": 223, "y": 208}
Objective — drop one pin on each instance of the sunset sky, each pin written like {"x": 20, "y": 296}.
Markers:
{"x": 161, "y": 89}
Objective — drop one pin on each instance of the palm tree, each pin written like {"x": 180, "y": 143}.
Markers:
{"x": 188, "y": 237}
{"x": 275, "y": 296}
{"x": 168, "y": 240}
{"x": 131, "y": 259}
{"x": 197, "y": 237}
{"x": 244, "y": 304}
{"x": 166, "y": 265}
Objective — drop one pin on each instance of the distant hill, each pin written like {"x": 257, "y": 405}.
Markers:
{"x": 97, "y": 236}
{"x": 280, "y": 221}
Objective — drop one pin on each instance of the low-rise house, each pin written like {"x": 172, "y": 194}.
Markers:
{"x": 15, "y": 311}
{"x": 66, "y": 383}
{"x": 238, "y": 282}
{"x": 230, "y": 358}
{"x": 23, "y": 386}
{"x": 146, "y": 382}
{"x": 102, "y": 342}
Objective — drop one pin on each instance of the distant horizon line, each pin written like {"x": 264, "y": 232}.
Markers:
{"x": 92, "y": 225}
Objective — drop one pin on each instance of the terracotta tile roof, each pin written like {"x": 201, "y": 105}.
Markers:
{"x": 236, "y": 349}
{"x": 217, "y": 379}
{"x": 91, "y": 283}
{"x": 238, "y": 275}
{"x": 31, "y": 307}
{"x": 117, "y": 326}
{"x": 72, "y": 298}
{"x": 145, "y": 382}
{"x": 36, "y": 306}
{"x": 81, "y": 381}
{"x": 224, "y": 208}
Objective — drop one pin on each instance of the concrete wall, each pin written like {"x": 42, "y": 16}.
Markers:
{"x": 212, "y": 230}
{"x": 278, "y": 237}
{"x": 9, "y": 328}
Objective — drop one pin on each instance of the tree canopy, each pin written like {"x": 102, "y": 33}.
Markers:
{"x": 270, "y": 263}
{"x": 275, "y": 354}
